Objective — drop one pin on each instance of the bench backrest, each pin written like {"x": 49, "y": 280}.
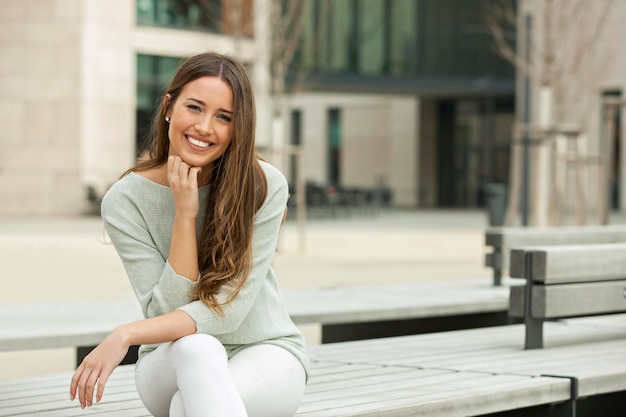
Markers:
{"x": 570, "y": 281}
{"x": 547, "y": 236}
{"x": 566, "y": 281}
{"x": 502, "y": 239}
{"x": 570, "y": 263}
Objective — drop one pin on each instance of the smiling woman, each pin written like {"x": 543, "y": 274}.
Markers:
{"x": 200, "y": 122}
{"x": 196, "y": 225}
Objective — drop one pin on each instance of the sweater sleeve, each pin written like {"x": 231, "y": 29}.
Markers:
{"x": 157, "y": 286}
{"x": 267, "y": 225}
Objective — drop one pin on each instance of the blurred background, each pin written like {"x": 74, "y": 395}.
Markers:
{"x": 402, "y": 126}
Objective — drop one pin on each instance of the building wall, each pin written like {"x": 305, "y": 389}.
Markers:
{"x": 40, "y": 140}
{"x": 427, "y": 151}
{"x": 68, "y": 76}
{"x": 379, "y": 141}
{"x": 404, "y": 150}
{"x": 107, "y": 92}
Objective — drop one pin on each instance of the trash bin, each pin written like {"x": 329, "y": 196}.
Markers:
{"x": 495, "y": 194}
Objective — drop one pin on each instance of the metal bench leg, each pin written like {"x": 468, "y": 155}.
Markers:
{"x": 497, "y": 268}
{"x": 570, "y": 409}
{"x": 533, "y": 326}
{"x": 534, "y": 333}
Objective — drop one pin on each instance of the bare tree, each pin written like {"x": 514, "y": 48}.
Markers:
{"x": 564, "y": 61}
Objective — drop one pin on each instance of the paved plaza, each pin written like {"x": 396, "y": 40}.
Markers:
{"x": 64, "y": 259}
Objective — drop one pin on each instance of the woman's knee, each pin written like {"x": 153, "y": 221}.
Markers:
{"x": 197, "y": 347}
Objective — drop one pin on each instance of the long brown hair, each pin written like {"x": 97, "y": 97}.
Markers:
{"x": 237, "y": 184}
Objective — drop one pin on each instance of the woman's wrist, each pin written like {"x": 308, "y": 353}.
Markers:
{"x": 183, "y": 256}
{"x": 123, "y": 335}
{"x": 185, "y": 216}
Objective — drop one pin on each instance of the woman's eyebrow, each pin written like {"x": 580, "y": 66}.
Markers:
{"x": 202, "y": 103}
{"x": 196, "y": 100}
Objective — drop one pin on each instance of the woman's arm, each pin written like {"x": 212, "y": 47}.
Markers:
{"x": 183, "y": 180}
{"x": 98, "y": 365}
{"x": 183, "y": 259}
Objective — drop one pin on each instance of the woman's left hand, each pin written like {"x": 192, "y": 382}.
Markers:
{"x": 97, "y": 366}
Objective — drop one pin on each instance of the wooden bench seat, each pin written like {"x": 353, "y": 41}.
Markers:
{"x": 567, "y": 281}
{"x": 448, "y": 374}
{"x": 343, "y": 312}
{"x": 500, "y": 240}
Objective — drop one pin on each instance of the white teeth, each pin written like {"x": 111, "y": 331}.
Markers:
{"x": 198, "y": 142}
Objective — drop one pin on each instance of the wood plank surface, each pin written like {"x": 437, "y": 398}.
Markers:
{"x": 50, "y": 325}
{"x": 334, "y": 389}
{"x": 476, "y": 371}
{"x": 47, "y": 325}
{"x": 353, "y": 304}
{"x": 596, "y": 355}
{"x": 450, "y": 394}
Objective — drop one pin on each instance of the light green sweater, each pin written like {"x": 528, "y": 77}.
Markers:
{"x": 138, "y": 215}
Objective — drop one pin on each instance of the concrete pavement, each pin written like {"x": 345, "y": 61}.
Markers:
{"x": 61, "y": 259}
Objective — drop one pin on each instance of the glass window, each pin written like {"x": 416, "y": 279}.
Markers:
{"x": 403, "y": 37}
{"x": 304, "y": 58}
{"x": 340, "y": 27}
{"x": 334, "y": 146}
{"x": 370, "y": 36}
{"x": 153, "y": 75}
{"x": 398, "y": 38}
{"x": 183, "y": 14}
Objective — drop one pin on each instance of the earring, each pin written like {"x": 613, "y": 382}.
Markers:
{"x": 167, "y": 119}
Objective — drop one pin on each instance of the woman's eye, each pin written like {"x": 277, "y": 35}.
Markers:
{"x": 193, "y": 107}
{"x": 224, "y": 117}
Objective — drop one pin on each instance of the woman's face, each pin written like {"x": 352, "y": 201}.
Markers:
{"x": 201, "y": 121}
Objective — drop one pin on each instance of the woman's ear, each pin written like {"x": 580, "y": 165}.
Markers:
{"x": 166, "y": 104}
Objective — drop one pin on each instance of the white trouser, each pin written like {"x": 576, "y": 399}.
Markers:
{"x": 192, "y": 377}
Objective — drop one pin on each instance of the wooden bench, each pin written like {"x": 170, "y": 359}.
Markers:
{"x": 344, "y": 313}
{"x": 450, "y": 374}
{"x": 566, "y": 281}
{"x": 500, "y": 240}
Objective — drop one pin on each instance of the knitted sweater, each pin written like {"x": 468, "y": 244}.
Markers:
{"x": 138, "y": 215}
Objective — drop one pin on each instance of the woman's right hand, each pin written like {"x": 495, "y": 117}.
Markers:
{"x": 183, "y": 180}
{"x": 97, "y": 366}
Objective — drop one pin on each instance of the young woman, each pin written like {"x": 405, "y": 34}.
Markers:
{"x": 196, "y": 225}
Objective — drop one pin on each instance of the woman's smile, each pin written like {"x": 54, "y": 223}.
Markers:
{"x": 199, "y": 143}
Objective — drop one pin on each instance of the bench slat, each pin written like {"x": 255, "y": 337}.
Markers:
{"x": 572, "y": 263}
{"x": 363, "y": 303}
{"x": 594, "y": 354}
{"x": 458, "y": 394}
{"x": 570, "y": 300}
{"x": 537, "y": 236}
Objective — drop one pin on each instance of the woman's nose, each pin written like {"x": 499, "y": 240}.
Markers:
{"x": 205, "y": 125}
